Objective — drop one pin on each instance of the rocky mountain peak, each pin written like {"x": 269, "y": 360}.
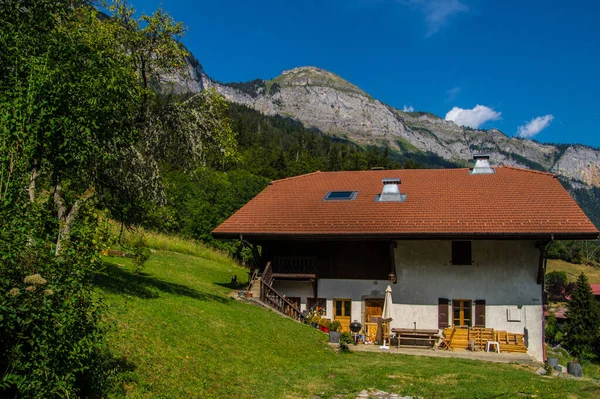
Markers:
{"x": 313, "y": 76}
{"x": 323, "y": 100}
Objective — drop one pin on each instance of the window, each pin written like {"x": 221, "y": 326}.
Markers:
{"x": 321, "y": 302}
{"x": 340, "y": 196}
{"x": 461, "y": 312}
{"x": 461, "y": 253}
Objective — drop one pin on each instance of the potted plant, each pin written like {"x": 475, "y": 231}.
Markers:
{"x": 326, "y": 324}
{"x": 321, "y": 323}
{"x": 334, "y": 331}
{"x": 315, "y": 320}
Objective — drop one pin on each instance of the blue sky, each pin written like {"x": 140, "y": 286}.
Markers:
{"x": 529, "y": 68}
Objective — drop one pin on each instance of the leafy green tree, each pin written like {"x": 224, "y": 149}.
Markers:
{"x": 66, "y": 103}
{"x": 78, "y": 125}
{"x": 582, "y": 328}
{"x": 67, "y": 96}
{"x": 173, "y": 132}
{"x": 569, "y": 251}
{"x": 558, "y": 286}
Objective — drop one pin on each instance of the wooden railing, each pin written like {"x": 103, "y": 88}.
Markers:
{"x": 295, "y": 264}
{"x": 270, "y": 296}
{"x": 252, "y": 278}
{"x": 267, "y": 275}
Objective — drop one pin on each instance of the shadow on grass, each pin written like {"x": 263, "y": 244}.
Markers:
{"x": 119, "y": 281}
{"x": 233, "y": 286}
{"x": 108, "y": 376}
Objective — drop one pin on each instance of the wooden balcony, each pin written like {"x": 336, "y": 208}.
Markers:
{"x": 294, "y": 267}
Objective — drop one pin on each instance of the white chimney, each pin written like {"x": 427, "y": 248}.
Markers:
{"x": 391, "y": 191}
{"x": 482, "y": 165}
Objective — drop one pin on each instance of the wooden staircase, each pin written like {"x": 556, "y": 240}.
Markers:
{"x": 460, "y": 338}
{"x": 262, "y": 289}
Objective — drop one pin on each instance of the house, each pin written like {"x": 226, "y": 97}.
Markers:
{"x": 461, "y": 247}
{"x": 560, "y": 310}
{"x": 596, "y": 291}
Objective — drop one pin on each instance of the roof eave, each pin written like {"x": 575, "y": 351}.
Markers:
{"x": 536, "y": 236}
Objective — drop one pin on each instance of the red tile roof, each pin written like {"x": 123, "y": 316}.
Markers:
{"x": 440, "y": 202}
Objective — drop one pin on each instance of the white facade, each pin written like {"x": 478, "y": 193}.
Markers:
{"x": 503, "y": 273}
{"x": 296, "y": 289}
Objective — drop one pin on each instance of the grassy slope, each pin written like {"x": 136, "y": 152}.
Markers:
{"x": 573, "y": 270}
{"x": 183, "y": 337}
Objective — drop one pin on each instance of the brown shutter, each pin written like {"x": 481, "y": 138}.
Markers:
{"x": 480, "y": 313}
{"x": 443, "y": 313}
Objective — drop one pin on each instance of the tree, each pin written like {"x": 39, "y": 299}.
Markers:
{"x": 173, "y": 132}
{"x": 77, "y": 119}
{"x": 558, "y": 286}
{"x": 67, "y": 101}
{"x": 552, "y": 330}
{"x": 67, "y": 95}
{"x": 582, "y": 328}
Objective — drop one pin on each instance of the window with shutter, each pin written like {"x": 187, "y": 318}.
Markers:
{"x": 461, "y": 253}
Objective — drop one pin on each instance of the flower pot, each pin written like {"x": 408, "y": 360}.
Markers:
{"x": 552, "y": 361}
{"x": 314, "y": 325}
{"x": 248, "y": 294}
{"x": 325, "y": 329}
{"x": 334, "y": 337}
{"x": 574, "y": 369}
{"x": 320, "y": 327}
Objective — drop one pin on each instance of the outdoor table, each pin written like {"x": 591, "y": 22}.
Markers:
{"x": 428, "y": 337}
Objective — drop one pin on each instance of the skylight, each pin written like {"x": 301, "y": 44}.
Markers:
{"x": 340, "y": 196}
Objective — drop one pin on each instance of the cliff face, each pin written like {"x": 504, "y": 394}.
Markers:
{"x": 579, "y": 163}
{"x": 325, "y": 101}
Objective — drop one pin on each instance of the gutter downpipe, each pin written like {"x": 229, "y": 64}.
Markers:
{"x": 544, "y": 260}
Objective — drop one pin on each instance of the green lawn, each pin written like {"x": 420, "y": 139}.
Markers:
{"x": 573, "y": 270}
{"x": 180, "y": 335}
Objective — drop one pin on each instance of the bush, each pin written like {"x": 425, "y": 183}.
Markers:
{"x": 558, "y": 286}
{"x": 345, "y": 340}
{"x": 52, "y": 338}
{"x": 569, "y": 251}
{"x": 335, "y": 326}
{"x": 552, "y": 330}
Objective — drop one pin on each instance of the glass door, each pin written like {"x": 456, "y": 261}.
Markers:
{"x": 462, "y": 312}
{"x": 342, "y": 312}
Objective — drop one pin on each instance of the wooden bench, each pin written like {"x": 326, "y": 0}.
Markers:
{"x": 415, "y": 338}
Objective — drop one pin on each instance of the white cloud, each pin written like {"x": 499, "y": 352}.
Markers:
{"x": 472, "y": 117}
{"x": 534, "y": 126}
{"x": 437, "y": 12}
{"x": 408, "y": 109}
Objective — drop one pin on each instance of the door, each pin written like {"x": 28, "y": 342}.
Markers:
{"x": 341, "y": 312}
{"x": 462, "y": 312}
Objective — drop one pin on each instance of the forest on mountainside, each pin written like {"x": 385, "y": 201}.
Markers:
{"x": 276, "y": 147}
{"x": 269, "y": 148}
